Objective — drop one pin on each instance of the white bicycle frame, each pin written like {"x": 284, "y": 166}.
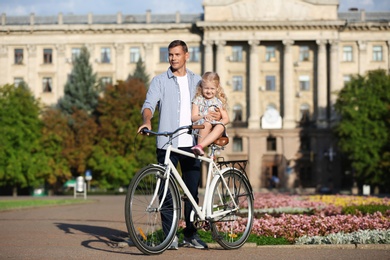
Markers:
{"x": 205, "y": 212}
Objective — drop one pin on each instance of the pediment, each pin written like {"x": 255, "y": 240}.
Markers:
{"x": 269, "y": 10}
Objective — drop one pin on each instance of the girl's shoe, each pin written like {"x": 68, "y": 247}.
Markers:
{"x": 198, "y": 150}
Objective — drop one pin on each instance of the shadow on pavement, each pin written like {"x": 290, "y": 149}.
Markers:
{"x": 104, "y": 237}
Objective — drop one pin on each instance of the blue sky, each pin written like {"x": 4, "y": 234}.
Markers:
{"x": 53, "y": 7}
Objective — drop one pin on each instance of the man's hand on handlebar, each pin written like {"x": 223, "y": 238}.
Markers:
{"x": 142, "y": 127}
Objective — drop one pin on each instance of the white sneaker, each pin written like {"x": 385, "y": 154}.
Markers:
{"x": 195, "y": 242}
{"x": 175, "y": 244}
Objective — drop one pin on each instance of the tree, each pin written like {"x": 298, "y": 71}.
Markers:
{"x": 364, "y": 128}
{"x": 20, "y": 126}
{"x": 140, "y": 73}
{"x": 117, "y": 154}
{"x": 80, "y": 91}
{"x": 78, "y": 147}
{"x": 56, "y": 133}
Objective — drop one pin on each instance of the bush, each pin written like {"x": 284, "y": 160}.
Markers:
{"x": 366, "y": 209}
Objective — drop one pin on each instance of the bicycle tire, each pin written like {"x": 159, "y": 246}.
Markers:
{"x": 149, "y": 233}
{"x": 232, "y": 230}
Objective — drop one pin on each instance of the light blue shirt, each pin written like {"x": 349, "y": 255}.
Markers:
{"x": 164, "y": 92}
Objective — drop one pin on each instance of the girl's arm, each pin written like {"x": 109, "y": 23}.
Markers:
{"x": 195, "y": 115}
{"x": 225, "y": 117}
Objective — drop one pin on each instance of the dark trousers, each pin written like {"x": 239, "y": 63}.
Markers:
{"x": 190, "y": 168}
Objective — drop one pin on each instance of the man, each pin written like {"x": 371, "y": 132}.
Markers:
{"x": 172, "y": 92}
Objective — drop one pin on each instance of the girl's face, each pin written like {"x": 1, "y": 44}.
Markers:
{"x": 209, "y": 90}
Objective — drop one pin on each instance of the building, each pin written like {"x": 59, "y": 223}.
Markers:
{"x": 281, "y": 63}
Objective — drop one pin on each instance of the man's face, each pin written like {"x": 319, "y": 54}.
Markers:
{"x": 177, "y": 58}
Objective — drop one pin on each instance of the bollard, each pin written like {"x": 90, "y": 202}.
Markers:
{"x": 80, "y": 187}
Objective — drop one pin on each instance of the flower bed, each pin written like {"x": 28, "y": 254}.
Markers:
{"x": 318, "y": 219}
{"x": 318, "y": 216}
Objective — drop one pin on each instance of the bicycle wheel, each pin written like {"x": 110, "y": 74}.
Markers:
{"x": 152, "y": 230}
{"x": 232, "y": 230}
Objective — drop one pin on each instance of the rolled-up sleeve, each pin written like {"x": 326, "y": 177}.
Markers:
{"x": 153, "y": 95}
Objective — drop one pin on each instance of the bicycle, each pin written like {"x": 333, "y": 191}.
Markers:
{"x": 154, "y": 195}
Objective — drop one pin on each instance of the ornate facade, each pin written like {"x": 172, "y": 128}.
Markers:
{"x": 281, "y": 63}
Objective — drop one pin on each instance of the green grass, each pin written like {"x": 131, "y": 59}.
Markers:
{"x": 31, "y": 203}
{"x": 259, "y": 240}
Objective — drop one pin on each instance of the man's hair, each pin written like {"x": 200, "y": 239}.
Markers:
{"x": 176, "y": 43}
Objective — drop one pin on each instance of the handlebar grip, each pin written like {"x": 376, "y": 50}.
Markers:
{"x": 144, "y": 130}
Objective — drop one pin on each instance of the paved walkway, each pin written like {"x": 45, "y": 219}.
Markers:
{"x": 88, "y": 231}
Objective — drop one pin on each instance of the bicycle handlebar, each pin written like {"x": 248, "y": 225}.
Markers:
{"x": 166, "y": 133}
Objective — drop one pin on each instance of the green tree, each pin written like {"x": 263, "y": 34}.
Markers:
{"x": 78, "y": 148}
{"x": 56, "y": 133}
{"x": 20, "y": 126}
{"x": 81, "y": 91}
{"x": 118, "y": 154}
{"x": 140, "y": 73}
{"x": 364, "y": 128}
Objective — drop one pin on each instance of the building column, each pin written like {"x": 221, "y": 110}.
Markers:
{"x": 32, "y": 66}
{"x": 61, "y": 80}
{"x": 334, "y": 77}
{"x": 3, "y": 65}
{"x": 288, "y": 86}
{"x": 388, "y": 56}
{"x": 208, "y": 56}
{"x": 321, "y": 85}
{"x": 148, "y": 49}
{"x": 220, "y": 65}
{"x": 362, "y": 56}
{"x": 120, "y": 62}
{"x": 254, "y": 100}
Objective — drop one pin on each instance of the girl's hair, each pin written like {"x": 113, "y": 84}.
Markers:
{"x": 213, "y": 77}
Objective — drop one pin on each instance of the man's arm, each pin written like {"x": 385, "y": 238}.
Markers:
{"x": 147, "y": 118}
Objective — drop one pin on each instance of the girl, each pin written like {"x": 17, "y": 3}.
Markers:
{"x": 209, "y": 97}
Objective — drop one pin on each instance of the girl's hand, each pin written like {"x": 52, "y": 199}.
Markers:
{"x": 215, "y": 115}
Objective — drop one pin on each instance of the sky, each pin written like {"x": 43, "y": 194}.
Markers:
{"x": 53, "y": 7}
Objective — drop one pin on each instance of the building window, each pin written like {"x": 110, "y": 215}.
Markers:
{"x": 164, "y": 54}
{"x": 377, "y": 54}
{"x": 304, "y": 83}
{"x": 18, "y": 56}
{"x": 18, "y": 81}
{"x": 237, "y": 83}
{"x": 194, "y": 54}
{"x": 271, "y": 144}
{"x": 237, "y": 144}
{"x": 104, "y": 81}
{"x": 270, "y": 53}
{"x": 237, "y": 113}
{"x": 304, "y": 113}
{"x": 75, "y": 53}
{"x": 304, "y": 53}
{"x": 237, "y": 53}
{"x": 270, "y": 83}
{"x": 347, "y": 53}
{"x": 135, "y": 54}
{"x": 47, "y": 56}
{"x": 105, "y": 55}
{"x": 47, "y": 85}
{"x": 346, "y": 78}
{"x": 305, "y": 144}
